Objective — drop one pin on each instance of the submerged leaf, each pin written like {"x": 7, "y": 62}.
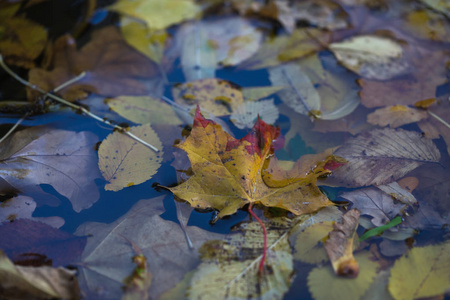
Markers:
{"x": 63, "y": 159}
{"x": 230, "y": 268}
{"x": 325, "y": 285}
{"x": 309, "y": 245}
{"x": 321, "y": 13}
{"x": 125, "y": 162}
{"x": 421, "y": 273}
{"x": 227, "y": 172}
{"x": 381, "y": 156}
{"x": 396, "y": 116}
{"x": 245, "y": 115}
{"x": 256, "y": 93}
{"x": 43, "y": 282}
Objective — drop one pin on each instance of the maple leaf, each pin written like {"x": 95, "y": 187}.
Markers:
{"x": 228, "y": 172}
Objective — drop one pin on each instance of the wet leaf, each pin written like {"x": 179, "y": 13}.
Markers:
{"x": 421, "y": 84}
{"x": 422, "y": 272}
{"x": 257, "y": 93}
{"x": 380, "y": 229}
{"x": 230, "y": 268}
{"x": 325, "y": 285}
{"x": 382, "y": 156}
{"x": 397, "y": 192}
{"x": 44, "y": 282}
{"x": 372, "y": 57}
{"x": 106, "y": 260}
{"x": 25, "y": 240}
{"x": 396, "y": 116}
{"x": 113, "y": 68}
{"x": 439, "y": 5}
{"x": 323, "y": 13}
{"x": 375, "y": 203}
{"x": 158, "y": 14}
{"x": 245, "y": 115}
{"x": 427, "y": 24}
{"x": 125, "y": 162}
{"x": 438, "y": 124}
{"x": 227, "y": 172}
{"x": 137, "y": 284}
{"x": 218, "y": 97}
{"x": 22, "y": 207}
{"x": 339, "y": 245}
{"x": 144, "y": 109}
{"x": 63, "y": 159}
{"x": 22, "y": 40}
{"x": 309, "y": 245}
{"x": 300, "y": 43}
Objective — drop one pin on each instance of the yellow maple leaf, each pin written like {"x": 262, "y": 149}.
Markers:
{"x": 228, "y": 172}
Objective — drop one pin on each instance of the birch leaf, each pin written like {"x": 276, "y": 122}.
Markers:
{"x": 421, "y": 273}
{"x": 382, "y": 156}
{"x": 371, "y": 56}
{"x": 246, "y": 114}
{"x": 299, "y": 92}
{"x": 144, "y": 109}
{"x": 325, "y": 285}
{"x": 125, "y": 162}
{"x": 309, "y": 243}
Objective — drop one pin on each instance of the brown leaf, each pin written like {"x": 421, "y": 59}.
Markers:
{"x": 339, "y": 245}
{"x": 396, "y": 116}
{"x": 113, "y": 68}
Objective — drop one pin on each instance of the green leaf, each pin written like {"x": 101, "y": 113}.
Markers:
{"x": 379, "y": 230}
{"x": 125, "y": 162}
{"x": 423, "y": 272}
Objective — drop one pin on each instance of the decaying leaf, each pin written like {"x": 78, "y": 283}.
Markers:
{"x": 375, "y": 203}
{"x": 63, "y": 159}
{"x": 106, "y": 260}
{"x": 422, "y": 272}
{"x": 43, "y": 282}
{"x": 439, "y": 5}
{"x": 339, "y": 245}
{"x": 113, "y": 68}
{"x": 230, "y": 268}
{"x": 22, "y": 207}
{"x": 397, "y": 192}
{"x": 246, "y": 114}
{"x": 218, "y": 97}
{"x": 396, "y": 116}
{"x": 372, "y": 57}
{"x": 309, "y": 245}
{"x": 125, "y": 162}
{"x": 26, "y": 240}
{"x": 438, "y": 124}
{"x": 325, "y": 285}
{"x": 158, "y": 14}
{"x": 300, "y": 43}
{"x": 322, "y": 13}
{"x": 138, "y": 283}
{"x": 427, "y": 24}
{"x": 256, "y": 93}
{"x": 382, "y": 156}
{"x": 421, "y": 84}
{"x": 227, "y": 172}
{"x": 22, "y": 40}
{"x": 144, "y": 109}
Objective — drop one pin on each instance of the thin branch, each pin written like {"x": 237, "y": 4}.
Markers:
{"x": 12, "y": 129}
{"x": 439, "y": 119}
{"x": 74, "y": 106}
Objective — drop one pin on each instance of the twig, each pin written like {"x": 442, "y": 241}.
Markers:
{"x": 439, "y": 119}
{"x": 263, "y": 258}
{"x": 74, "y": 106}
{"x": 11, "y": 130}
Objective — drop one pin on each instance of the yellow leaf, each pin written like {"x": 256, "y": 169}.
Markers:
{"x": 421, "y": 273}
{"x": 325, "y": 285}
{"x": 156, "y": 13}
{"x": 124, "y": 161}
{"x": 309, "y": 243}
{"x": 227, "y": 172}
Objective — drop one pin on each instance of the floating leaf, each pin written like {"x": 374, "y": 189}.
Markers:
{"x": 299, "y": 92}
{"x": 427, "y": 24}
{"x": 113, "y": 68}
{"x": 372, "y": 57}
{"x": 256, "y": 93}
{"x": 309, "y": 245}
{"x": 323, "y": 13}
{"x": 339, "y": 245}
{"x": 396, "y": 116}
{"x": 157, "y": 14}
{"x": 227, "y": 172}
{"x": 398, "y": 193}
{"x": 380, "y": 229}
{"x": 422, "y": 272}
{"x": 43, "y": 282}
{"x": 138, "y": 283}
{"x": 218, "y": 97}
{"x": 63, "y": 159}
{"x": 375, "y": 203}
{"x": 106, "y": 260}
{"x": 125, "y": 162}
{"x": 439, "y": 5}
{"x": 381, "y": 156}
{"x": 325, "y": 285}
{"x": 285, "y": 48}
{"x": 245, "y": 115}
{"x": 144, "y": 109}
{"x": 230, "y": 268}
{"x": 22, "y": 207}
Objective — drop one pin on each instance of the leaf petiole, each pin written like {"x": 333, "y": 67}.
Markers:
{"x": 263, "y": 258}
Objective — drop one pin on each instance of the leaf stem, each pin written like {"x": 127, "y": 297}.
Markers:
{"x": 263, "y": 258}
{"x": 74, "y": 106}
